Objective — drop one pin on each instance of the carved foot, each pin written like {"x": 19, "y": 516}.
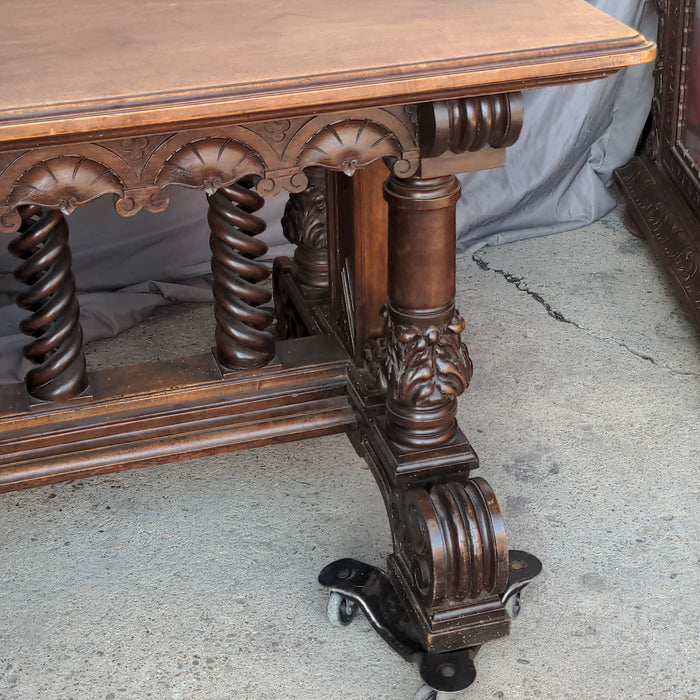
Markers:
{"x": 54, "y": 321}
{"x": 242, "y": 336}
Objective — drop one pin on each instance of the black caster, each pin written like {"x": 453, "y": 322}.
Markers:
{"x": 355, "y": 585}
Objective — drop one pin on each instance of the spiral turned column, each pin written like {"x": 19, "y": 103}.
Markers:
{"x": 54, "y": 319}
{"x": 305, "y": 224}
{"x": 242, "y": 320}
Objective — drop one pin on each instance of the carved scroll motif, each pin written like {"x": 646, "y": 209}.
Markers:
{"x": 452, "y": 545}
{"x": 137, "y": 170}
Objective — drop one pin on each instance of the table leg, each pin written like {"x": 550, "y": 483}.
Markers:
{"x": 427, "y": 364}
{"x": 451, "y": 577}
{"x": 54, "y": 319}
{"x": 243, "y": 338}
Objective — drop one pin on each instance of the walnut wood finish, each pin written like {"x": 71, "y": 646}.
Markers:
{"x": 54, "y": 320}
{"x": 662, "y": 185}
{"x": 426, "y": 363}
{"x": 305, "y": 223}
{"x": 242, "y": 336}
{"x": 317, "y": 96}
{"x": 311, "y": 59}
{"x": 358, "y": 221}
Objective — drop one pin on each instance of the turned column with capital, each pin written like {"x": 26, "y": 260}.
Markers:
{"x": 428, "y": 366}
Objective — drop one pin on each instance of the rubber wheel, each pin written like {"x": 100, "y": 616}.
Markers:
{"x": 514, "y": 605}
{"x": 341, "y": 611}
{"x": 425, "y": 692}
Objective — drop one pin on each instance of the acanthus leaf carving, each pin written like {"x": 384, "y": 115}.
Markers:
{"x": 426, "y": 366}
{"x": 304, "y": 221}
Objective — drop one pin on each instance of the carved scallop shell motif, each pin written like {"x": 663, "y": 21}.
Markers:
{"x": 209, "y": 164}
{"x": 64, "y": 183}
{"x": 349, "y": 145}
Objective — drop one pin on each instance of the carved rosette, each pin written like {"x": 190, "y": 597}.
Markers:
{"x": 453, "y": 547}
{"x": 426, "y": 367}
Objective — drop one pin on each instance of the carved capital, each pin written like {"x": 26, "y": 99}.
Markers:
{"x": 305, "y": 216}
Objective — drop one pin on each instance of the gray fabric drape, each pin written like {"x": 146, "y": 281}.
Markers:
{"x": 573, "y": 138}
{"x": 555, "y": 179}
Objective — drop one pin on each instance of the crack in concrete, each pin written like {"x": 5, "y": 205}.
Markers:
{"x": 520, "y": 284}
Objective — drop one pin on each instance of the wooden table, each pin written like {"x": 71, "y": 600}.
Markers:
{"x": 242, "y": 100}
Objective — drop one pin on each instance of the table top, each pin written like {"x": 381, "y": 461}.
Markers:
{"x": 91, "y": 66}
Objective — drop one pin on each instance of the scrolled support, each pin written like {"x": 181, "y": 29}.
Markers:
{"x": 243, "y": 338}
{"x": 54, "y": 319}
{"x": 454, "y": 547}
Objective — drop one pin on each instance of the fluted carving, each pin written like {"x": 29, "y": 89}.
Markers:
{"x": 470, "y": 124}
{"x": 453, "y": 546}
{"x": 54, "y": 320}
{"x": 242, "y": 321}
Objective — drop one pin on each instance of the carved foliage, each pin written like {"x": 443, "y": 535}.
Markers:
{"x": 426, "y": 366}
{"x": 670, "y": 232}
{"x": 305, "y": 216}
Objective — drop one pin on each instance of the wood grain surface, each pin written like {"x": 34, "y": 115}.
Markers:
{"x": 89, "y": 66}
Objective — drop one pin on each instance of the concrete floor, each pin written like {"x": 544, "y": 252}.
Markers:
{"x": 197, "y": 580}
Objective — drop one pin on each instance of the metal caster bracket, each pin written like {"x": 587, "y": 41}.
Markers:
{"x": 372, "y": 589}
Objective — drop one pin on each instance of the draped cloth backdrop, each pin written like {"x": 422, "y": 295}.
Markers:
{"x": 555, "y": 179}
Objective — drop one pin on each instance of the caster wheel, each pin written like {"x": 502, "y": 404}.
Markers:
{"x": 340, "y": 610}
{"x": 514, "y": 605}
{"x": 425, "y": 692}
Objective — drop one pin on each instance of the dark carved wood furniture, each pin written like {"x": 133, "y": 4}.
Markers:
{"x": 662, "y": 185}
{"x": 126, "y": 99}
